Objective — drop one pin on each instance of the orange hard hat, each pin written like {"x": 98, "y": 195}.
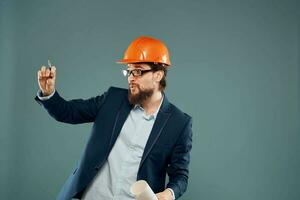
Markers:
{"x": 146, "y": 49}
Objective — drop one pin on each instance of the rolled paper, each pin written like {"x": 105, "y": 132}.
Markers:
{"x": 142, "y": 191}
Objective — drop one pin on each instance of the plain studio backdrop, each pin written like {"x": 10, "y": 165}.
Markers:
{"x": 235, "y": 71}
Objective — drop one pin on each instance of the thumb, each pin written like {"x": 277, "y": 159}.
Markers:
{"x": 50, "y": 82}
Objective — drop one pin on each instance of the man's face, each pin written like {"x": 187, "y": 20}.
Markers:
{"x": 140, "y": 87}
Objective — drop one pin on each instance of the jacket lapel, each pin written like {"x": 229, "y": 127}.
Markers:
{"x": 160, "y": 122}
{"x": 120, "y": 119}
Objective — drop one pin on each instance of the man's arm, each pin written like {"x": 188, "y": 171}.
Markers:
{"x": 73, "y": 111}
{"x": 178, "y": 170}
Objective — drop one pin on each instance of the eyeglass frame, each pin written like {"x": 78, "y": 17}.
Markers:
{"x": 127, "y": 72}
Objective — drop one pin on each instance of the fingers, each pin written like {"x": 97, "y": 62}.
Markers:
{"x": 42, "y": 72}
{"x": 39, "y": 74}
{"x": 45, "y": 72}
{"x": 53, "y": 72}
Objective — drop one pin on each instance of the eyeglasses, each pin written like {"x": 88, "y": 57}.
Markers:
{"x": 135, "y": 72}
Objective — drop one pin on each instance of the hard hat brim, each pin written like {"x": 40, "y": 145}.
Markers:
{"x": 128, "y": 61}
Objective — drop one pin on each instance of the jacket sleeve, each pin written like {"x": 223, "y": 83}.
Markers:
{"x": 178, "y": 169}
{"x": 73, "y": 111}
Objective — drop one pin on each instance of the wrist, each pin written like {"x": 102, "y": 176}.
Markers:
{"x": 45, "y": 94}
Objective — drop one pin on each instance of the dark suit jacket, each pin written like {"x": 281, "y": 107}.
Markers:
{"x": 167, "y": 149}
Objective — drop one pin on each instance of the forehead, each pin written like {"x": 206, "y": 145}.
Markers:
{"x": 138, "y": 66}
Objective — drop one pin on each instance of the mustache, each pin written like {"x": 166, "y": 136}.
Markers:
{"x": 133, "y": 84}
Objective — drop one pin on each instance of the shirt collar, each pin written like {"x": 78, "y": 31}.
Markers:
{"x": 154, "y": 115}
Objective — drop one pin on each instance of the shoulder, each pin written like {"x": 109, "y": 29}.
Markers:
{"x": 180, "y": 125}
{"x": 180, "y": 115}
{"x": 116, "y": 92}
{"x": 116, "y": 95}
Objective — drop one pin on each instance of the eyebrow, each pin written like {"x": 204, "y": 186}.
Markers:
{"x": 136, "y": 67}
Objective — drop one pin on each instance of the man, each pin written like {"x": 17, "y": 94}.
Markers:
{"x": 137, "y": 134}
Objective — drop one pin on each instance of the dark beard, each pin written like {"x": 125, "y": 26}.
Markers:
{"x": 140, "y": 97}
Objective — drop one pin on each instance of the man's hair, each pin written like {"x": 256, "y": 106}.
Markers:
{"x": 160, "y": 67}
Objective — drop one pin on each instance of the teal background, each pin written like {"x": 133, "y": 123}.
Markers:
{"x": 235, "y": 71}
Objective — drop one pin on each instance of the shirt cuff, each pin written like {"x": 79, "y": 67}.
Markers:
{"x": 43, "y": 98}
{"x": 173, "y": 195}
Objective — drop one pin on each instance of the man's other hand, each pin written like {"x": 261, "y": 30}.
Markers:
{"x": 165, "y": 195}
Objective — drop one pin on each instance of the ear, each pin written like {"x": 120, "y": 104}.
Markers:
{"x": 158, "y": 75}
